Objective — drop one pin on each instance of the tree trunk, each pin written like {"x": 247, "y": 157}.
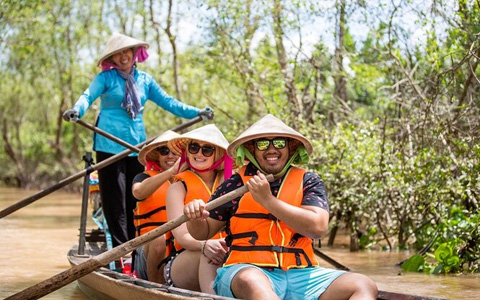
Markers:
{"x": 333, "y": 231}
{"x": 171, "y": 39}
{"x": 156, "y": 28}
{"x": 340, "y": 92}
{"x": 288, "y": 79}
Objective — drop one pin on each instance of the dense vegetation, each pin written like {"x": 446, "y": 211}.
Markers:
{"x": 386, "y": 90}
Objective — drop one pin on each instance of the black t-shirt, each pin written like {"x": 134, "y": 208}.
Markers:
{"x": 140, "y": 177}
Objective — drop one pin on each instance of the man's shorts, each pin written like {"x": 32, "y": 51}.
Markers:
{"x": 140, "y": 263}
{"x": 308, "y": 283}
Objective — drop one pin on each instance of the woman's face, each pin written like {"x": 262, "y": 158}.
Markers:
{"x": 200, "y": 154}
{"x": 124, "y": 60}
{"x": 166, "y": 160}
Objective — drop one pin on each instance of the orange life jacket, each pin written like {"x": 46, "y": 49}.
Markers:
{"x": 196, "y": 189}
{"x": 151, "y": 212}
{"x": 258, "y": 237}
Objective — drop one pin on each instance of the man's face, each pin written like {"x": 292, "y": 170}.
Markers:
{"x": 271, "y": 154}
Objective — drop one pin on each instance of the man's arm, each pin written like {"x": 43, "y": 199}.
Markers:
{"x": 310, "y": 221}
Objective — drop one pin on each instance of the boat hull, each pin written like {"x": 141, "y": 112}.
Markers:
{"x": 105, "y": 284}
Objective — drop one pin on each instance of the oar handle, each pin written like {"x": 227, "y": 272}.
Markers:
{"x": 60, "y": 280}
{"x": 108, "y": 135}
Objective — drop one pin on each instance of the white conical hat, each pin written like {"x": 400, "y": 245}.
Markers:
{"x": 119, "y": 42}
{"x": 268, "y": 127}
{"x": 208, "y": 133}
{"x": 145, "y": 154}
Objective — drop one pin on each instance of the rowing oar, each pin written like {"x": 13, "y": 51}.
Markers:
{"x": 29, "y": 200}
{"x": 330, "y": 260}
{"x": 54, "y": 283}
{"x": 108, "y": 135}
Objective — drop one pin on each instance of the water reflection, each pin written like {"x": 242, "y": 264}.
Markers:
{"x": 35, "y": 240}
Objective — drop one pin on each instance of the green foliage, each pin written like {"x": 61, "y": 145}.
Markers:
{"x": 414, "y": 263}
{"x": 455, "y": 245}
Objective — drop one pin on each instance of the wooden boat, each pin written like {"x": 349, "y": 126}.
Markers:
{"x": 104, "y": 283}
{"x": 107, "y": 284}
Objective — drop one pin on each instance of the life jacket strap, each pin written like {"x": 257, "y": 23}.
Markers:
{"x": 251, "y": 234}
{"x": 256, "y": 216}
{"x": 149, "y": 214}
{"x": 150, "y": 224}
{"x": 277, "y": 249}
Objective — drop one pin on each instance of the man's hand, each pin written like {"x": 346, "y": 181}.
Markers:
{"x": 70, "y": 115}
{"x": 195, "y": 210}
{"x": 207, "y": 113}
{"x": 259, "y": 187}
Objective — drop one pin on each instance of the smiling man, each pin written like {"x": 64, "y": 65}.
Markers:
{"x": 271, "y": 228}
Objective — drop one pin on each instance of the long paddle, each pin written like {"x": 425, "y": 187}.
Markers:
{"x": 330, "y": 260}
{"x": 54, "y": 283}
{"x": 22, "y": 203}
{"x": 107, "y": 135}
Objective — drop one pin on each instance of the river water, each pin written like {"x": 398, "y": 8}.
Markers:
{"x": 34, "y": 242}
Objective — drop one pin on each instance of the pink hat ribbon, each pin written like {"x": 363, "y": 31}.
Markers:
{"x": 140, "y": 55}
{"x": 227, "y": 172}
{"x": 152, "y": 165}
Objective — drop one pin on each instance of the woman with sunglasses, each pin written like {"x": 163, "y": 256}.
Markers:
{"x": 204, "y": 165}
{"x": 150, "y": 189}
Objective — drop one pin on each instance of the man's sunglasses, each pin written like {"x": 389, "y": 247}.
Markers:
{"x": 164, "y": 150}
{"x": 207, "y": 151}
{"x": 278, "y": 143}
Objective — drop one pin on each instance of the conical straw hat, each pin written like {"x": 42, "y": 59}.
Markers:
{"x": 119, "y": 42}
{"x": 268, "y": 127}
{"x": 208, "y": 134}
{"x": 145, "y": 154}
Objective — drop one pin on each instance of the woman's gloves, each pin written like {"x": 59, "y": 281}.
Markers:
{"x": 206, "y": 113}
{"x": 70, "y": 115}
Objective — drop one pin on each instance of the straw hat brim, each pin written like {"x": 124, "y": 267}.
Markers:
{"x": 162, "y": 140}
{"x": 119, "y": 42}
{"x": 208, "y": 134}
{"x": 268, "y": 127}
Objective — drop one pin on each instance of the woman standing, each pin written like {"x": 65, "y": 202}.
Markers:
{"x": 123, "y": 91}
{"x": 205, "y": 165}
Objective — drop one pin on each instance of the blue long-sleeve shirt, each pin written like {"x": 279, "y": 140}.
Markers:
{"x": 110, "y": 87}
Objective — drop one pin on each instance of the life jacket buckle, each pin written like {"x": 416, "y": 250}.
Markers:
{"x": 278, "y": 249}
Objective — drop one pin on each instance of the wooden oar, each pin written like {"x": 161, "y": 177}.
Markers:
{"x": 29, "y": 200}
{"x": 330, "y": 260}
{"x": 54, "y": 283}
{"x": 108, "y": 135}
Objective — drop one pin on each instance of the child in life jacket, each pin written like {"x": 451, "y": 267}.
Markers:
{"x": 150, "y": 190}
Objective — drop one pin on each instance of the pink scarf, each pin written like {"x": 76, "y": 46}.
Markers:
{"x": 227, "y": 171}
{"x": 152, "y": 165}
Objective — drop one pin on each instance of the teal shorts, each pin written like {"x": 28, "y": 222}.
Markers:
{"x": 308, "y": 283}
